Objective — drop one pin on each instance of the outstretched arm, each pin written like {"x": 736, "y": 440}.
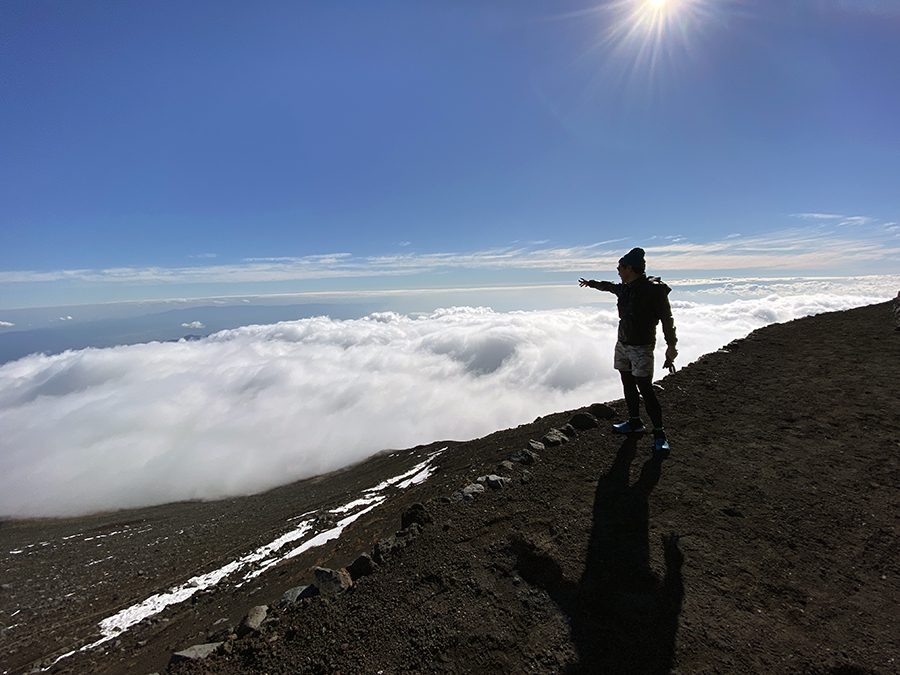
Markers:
{"x": 598, "y": 285}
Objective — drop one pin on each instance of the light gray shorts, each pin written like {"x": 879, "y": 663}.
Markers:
{"x": 635, "y": 358}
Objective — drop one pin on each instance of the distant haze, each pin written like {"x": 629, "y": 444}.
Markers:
{"x": 153, "y": 326}
{"x": 247, "y": 409}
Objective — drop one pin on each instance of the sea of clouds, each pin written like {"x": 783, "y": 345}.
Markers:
{"x": 248, "y": 409}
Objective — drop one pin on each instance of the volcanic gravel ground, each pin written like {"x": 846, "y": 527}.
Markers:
{"x": 765, "y": 543}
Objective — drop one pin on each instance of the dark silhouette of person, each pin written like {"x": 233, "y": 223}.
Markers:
{"x": 643, "y": 302}
{"x": 623, "y": 617}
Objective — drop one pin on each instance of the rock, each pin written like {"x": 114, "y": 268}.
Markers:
{"x": 253, "y": 620}
{"x": 526, "y": 457}
{"x": 325, "y": 521}
{"x": 526, "y": 476}
{"x": 195, "y": 653}
{"x": 584, "y": 420}
{"x": 388, "y": 546}
{"x": 404, "y": 537}
{"x": 505, "y": 465}
{"x": 569, "y": 430}
{"x": 468, "y": 493}
{"x": 363, "y": 566}
{"x": 332, "y": 582}
{"x": 295, "y": 594}
{"x": 554, "y": 437}
{"x": 602, "y": 411}
{"x": 496, "y": 482}
{"x": 415, "y": 514}
{"x": 383, "y": 549}
{"x": 536, "y": 446}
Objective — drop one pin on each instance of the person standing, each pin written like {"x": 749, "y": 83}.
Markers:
{"x": 643, "y": 302}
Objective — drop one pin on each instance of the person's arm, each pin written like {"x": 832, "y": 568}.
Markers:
{"x": 668, "y": 328}
{"x": 600, "y": 285}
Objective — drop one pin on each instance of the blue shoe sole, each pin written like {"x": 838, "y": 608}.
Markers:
{"x": 625, "y": 428}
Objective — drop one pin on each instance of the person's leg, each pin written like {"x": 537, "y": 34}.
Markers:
{"x": 642, "y": 370}
{"x": 632, "y": 397}
{"x": 623, "y": 363}
{"x": 654, "y": 409}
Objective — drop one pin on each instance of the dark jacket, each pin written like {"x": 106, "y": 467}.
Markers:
{"x": 642, "y": 304}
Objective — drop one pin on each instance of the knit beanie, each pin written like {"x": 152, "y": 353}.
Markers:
{"x": 634, "y": 258}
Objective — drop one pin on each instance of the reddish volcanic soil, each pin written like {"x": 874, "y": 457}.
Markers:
{"x": 767, "y": 542}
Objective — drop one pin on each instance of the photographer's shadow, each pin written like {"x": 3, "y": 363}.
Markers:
{"x": 623, "y": 617}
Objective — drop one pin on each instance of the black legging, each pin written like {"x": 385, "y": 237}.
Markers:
{"x": 632, "y": 386}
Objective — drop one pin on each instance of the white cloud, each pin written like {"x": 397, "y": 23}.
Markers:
{"x": 247, "y": 409}
{"x": 6, "y": 324}
{"x": 193, "y": 324}
{"x": 817, "y": 216}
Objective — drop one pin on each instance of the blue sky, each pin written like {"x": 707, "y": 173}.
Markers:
{"x": 171, "y": 149}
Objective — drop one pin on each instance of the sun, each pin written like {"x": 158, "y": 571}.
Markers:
{"x": 654, "y": 33}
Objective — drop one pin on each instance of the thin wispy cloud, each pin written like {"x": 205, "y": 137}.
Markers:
{"x": 817, "y": 216}
{"x": 842, "y": 220}
{"x": 835, "y": 242}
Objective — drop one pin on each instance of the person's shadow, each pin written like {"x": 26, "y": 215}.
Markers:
{"x": 623, "y": 617}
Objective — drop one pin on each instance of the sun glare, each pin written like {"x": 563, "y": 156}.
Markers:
{"x": 654, "y": 34}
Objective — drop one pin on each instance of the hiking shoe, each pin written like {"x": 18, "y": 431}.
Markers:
{"x": 629, "y": 428}
{"x": 661, "y": 446}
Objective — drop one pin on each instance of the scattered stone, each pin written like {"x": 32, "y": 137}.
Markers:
{"x": 505, "y": 465}
{"x": 325, "y": 520}
{"x": 569, "y": 430}
{"x": 404, "y": 537}
{"x": 602, "y": 411}
{"x": 536, "y": 446}
{"x": 468, "y": 493}
{"x": 363, "y": 566}
{"x": 554, "y": 437}
{"x": 195, "y": 653}
{"x": 526, "y": 476}
{"x": 496, "y": 482}
{"x": 332, "y": 582}
{"x": 296, "y": 594}
{"x": 415, "y": 514}
{"x": 526, "y": 457}
{"x": 253, "y": 620}
{"x": 584, "y": 421}
{"x": 383, "y": 549}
